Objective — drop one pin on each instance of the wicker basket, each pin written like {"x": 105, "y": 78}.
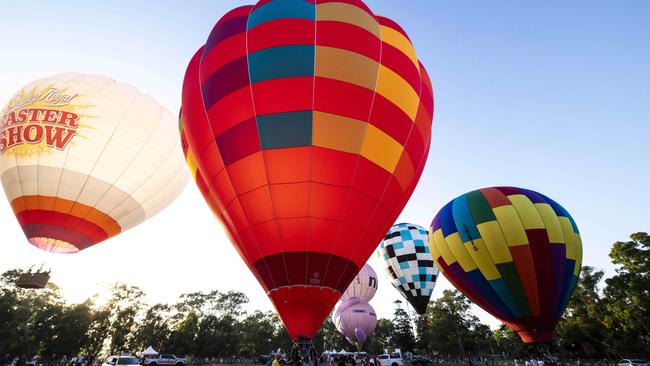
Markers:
{"x": 33, "y": 280}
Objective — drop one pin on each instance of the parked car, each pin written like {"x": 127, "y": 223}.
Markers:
{"x": 420, "y": 360}
{"x": 632, "y": 362}
{"x": 391, "y": 359}
{"x": 120, "y": 360}
{"x": 165, "y": 359}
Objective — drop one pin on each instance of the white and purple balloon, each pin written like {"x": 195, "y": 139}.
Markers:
{"x": 355, "y": 319}
{"x": 363, "y": 286}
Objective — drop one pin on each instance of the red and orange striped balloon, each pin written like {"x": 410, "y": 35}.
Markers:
{"x": 309, "y": 123}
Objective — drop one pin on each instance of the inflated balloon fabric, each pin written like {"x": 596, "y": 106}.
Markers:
{"x": 364, "y": 285}
{"x": 84, "y": 158}
{"x": 408, "y": 264}
{"x": 355, "y": 319}
{"x": 514, "y": 252}
{"x": 310, "y": 121}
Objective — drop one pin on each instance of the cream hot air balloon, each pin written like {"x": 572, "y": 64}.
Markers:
{"x": 84, "y": 158}
{"x": 364, "y": 285}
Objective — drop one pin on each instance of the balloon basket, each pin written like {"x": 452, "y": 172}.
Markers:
{"x": 304, "y": 351}
{"x": 33, "y": 280}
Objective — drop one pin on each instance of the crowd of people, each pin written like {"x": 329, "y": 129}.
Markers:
{"x": 309, "y": 360}
{"x": 530, "y": 362}
{"x": 53, "y": 360}
{"x": 312, "y": 360}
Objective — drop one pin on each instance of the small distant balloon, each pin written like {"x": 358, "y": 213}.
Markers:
{"x": 364, "y": 285}
{"x": 355, "y": 319}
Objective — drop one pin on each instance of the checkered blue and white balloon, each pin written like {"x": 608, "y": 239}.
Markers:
{"x": 408, "y": 263}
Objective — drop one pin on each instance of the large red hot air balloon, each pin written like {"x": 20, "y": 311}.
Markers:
{"x": 309, "y": 123}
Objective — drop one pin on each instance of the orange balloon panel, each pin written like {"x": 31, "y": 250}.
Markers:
{"x": 310, "y": 123}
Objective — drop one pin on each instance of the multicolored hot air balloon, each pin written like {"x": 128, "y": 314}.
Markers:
{"x": 355, "y": 319}
{"x": 310, "y": 123}
{"x": 514, "y": 252}
{"x": 84, "y": 158}
{"x": 363, "y": 286}
{"x": 408, "y": 264}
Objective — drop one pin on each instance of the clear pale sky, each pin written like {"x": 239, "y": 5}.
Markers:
{"x": 553, "y": 96}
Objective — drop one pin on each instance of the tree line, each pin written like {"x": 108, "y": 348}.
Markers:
{"x": 604, "y": 319}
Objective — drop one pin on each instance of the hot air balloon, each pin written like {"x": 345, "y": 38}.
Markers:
{"x": 84, "y": 158}
{"x": 408, "y": 264}
{"x": 514, "y": 252}
{"x": 311, "y": 125}
{"x": 190, "y": 159}
{"x": 363, "y": 286}
{"x": 355, "y": 319}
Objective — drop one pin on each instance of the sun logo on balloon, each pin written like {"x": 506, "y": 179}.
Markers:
{"x": 41, "y": 120}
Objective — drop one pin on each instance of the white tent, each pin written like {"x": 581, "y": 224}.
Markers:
{"x": 149, "y": 352}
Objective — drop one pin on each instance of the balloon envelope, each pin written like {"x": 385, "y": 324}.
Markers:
{"x": 360, "y": 334}
{"x": 364, "y": 285}
{"x": 355, "y": 319}
{"x": 311, "y": 125}
{"x": 514, "y": 252}
{"x": 84, "y": 158}
{"x": 408, "y": 264}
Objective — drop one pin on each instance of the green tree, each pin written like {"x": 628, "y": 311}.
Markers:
{"x": 97, "y": 332}
{"x": 217, "y": 336}
{"x": 403, "y": 336}
{"x": 125, "y": 305}
{"x": 454, "y": 330}
{"x": 26, "y": 316}
{"x": 381, "y": 337}
{"x": 423, "y": 334}
{"x": 183, "y": 337}
{"x": 232, "y": 304}
{"x": 508, "y": 342}
{"x": 68, "y": 330}
{"x": 480, "y": 341}
{"x": 580, "y": 332}
{"x": 328, "y": 337}
{"x": 627, "y": 297}
{"x": 41, "y": 322}
{"x": 281, "y": 339}
{"x": 446, "y": 323}
{"x": 154, "y": 329}
{"x": 257, "y": 331}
